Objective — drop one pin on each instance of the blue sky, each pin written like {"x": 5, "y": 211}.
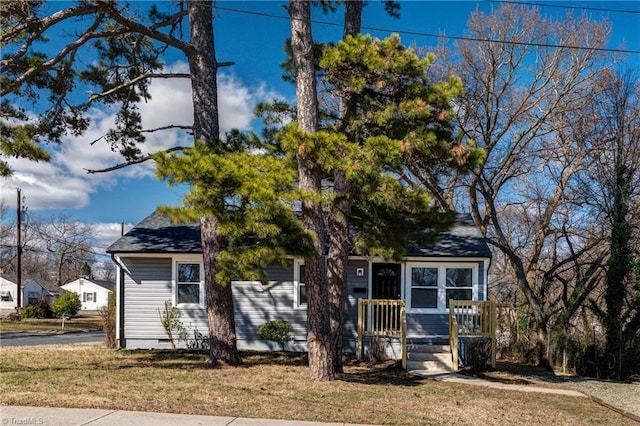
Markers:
{"x": 254, "y": 41}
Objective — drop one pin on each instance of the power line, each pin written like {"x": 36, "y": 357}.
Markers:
{"x": 422, "y": 34}
{"x": 53, "y": 253}
{"x": 596, "y": 9}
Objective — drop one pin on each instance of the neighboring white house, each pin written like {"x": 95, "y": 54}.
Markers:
{"x": 8, "y": 294}
{"x": 31, "y": 292}
{"x": 94, "y": 294}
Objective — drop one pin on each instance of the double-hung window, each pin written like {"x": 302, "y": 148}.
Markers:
{"x": 459, "y": 284}
{"x": 299, "y": 288}
{"x": 188, "y": 283}
{"x": 424, "y": 287}
{"x": 431, "y": 286}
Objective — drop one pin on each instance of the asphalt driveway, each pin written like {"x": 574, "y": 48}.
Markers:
{"x": 58, "y": 338}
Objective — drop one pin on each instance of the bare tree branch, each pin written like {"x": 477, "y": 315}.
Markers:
{"x": 96, "y": 96}
{"x": 136, "y": 161}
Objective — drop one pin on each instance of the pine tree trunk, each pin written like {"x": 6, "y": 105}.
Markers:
{"x": 204, "y": 92}
{"x": 318, "y": 337}
{"x": 337, "y": 267}
{"x": 219, "y": 301}
{"x": 204, "y": 69}
{"x": 352, "y": 17}
{"x": 339, "y": 226}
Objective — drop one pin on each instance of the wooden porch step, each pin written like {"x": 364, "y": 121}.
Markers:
{"x": 413, "y": 348}
{"x": 439, "y": 365}
{"x": 433, "y": 340}
{"x": 428, "y": 358}
{"x": 431, "y": 355}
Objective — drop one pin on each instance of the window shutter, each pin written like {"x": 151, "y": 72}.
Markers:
{"x": 84, "y": 296}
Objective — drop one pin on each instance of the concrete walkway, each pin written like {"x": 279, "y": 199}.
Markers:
{"x": 468, "y": 380}
{"x": 12, "y": 415}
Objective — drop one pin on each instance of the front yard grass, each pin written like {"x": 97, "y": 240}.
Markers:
{"x": 270, "y": 385}
{"x": 77, "y": 323}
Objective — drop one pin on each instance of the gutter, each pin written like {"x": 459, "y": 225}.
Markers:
{"x": 119, "y": 303}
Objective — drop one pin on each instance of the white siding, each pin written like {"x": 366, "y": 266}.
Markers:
{"x": 82, "y": 286}
{"x": 11, "y": 288}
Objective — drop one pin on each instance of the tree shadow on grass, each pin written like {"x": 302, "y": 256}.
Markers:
{"x": 384, "y": 373}
{"x": 517, "y": 373}
{"x": 190, "y": 359}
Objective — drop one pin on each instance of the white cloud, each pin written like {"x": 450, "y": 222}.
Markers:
{"x": 47, "y": 185}
{"x": 64, "y": 182}
{"x": 107, "y": 233}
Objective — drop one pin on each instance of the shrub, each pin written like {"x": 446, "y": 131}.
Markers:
{"x": 43, "y": 310}
{"x": 13, "y": 316}
{"x": 170, "y": 320}
{"x": 67, "y": 304}
{"x": 276, "y": 331}
{"x": 108, "y": 321}
{"x": 378, "y": 350}
{"x": 30, "y": 312}
{"x": 479, "y": 354}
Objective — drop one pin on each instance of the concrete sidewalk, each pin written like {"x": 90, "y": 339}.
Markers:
{"x": 449, "y": 376}
{"x": 460, "y": 378}
{"x": 12, "y": 415}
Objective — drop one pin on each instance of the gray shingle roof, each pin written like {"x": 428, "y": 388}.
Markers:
{"x": 50, "y": 287}
{"x": 156, "y": 234}
{"x": 463, "y": 239}
{"x": 106, "y": 284}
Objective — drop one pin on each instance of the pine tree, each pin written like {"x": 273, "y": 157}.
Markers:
{"x": 130, "y": 46}
{"x": 393, "y": 116}
{"x": 304, "y": 143}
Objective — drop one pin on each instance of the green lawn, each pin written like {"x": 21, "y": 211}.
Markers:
{"x": 270, "y": 385}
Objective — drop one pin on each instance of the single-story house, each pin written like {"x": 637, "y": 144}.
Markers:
{"x": 159, "y": 261}
{"x": 32, "y": 290}
{"x": 93, "y": 293}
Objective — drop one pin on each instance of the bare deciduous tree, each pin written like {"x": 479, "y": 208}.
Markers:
{"x": 68, "y": 243}
{"x": 524, "y": 84}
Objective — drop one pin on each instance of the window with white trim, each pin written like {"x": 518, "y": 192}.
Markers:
{"x": 89, "y": 297}
{"x": 299, "y": 287}
{"x": 459, "y": 284}
{"x": 188, "y": 283}
{"x": 431, "y": 286}
{"x": 424, "y": 287}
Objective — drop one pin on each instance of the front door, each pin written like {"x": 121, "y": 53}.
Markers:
{"x": 385, "y": 285}
{"x": 386, "y": 281}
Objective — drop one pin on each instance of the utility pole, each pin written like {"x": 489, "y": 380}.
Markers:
{"x": 19, "y": 253}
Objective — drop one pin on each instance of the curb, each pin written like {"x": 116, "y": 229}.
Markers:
{"x": 616, "y": 409}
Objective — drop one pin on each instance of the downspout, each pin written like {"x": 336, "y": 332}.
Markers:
{"x": 487, "y": 266}
{"x": 119, "y": 303}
